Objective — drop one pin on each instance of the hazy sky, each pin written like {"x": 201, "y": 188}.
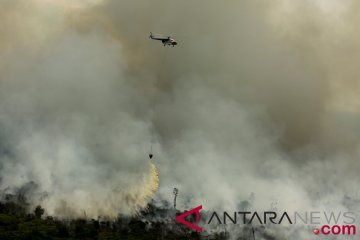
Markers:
{"x": 258, "y": 98}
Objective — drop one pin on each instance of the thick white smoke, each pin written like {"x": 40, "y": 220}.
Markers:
{"x": 67, "y": 124}
{"x": 257, "y": 99}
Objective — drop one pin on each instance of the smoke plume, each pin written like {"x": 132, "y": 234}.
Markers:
{"x": 258, "y": 99}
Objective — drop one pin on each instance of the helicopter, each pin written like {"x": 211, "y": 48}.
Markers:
{"x": 165, "y": 40}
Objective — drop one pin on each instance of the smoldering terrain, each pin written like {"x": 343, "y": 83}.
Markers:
{"x": 258, "y": 99}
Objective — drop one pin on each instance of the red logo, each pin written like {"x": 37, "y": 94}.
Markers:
{"x": 181, "y": 218}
